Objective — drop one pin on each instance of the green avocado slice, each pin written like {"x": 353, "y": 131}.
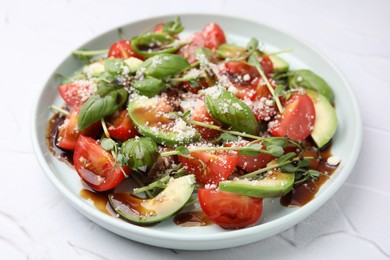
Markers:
{"x": 275, "y": 184}
{"x": 279, "y": 64}
{"x": 325, "y": 124}
{"x": 164, "y": 128}
{"x": 148, "y": 211}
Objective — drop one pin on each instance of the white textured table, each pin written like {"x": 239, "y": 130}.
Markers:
{"x": 36, "y": 222}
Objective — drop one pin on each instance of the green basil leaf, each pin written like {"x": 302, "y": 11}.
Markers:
{"x": 142, "y": 153}
{"x": 151, "y": 44}
{"x": 149, "y": 86}
{"x": 173, "y": 27}
{"x": 227, "y": 109}
{"x": 101, "y": 104}
{"x": 164, "y": 65}
{"x": 309, "y": 80}
{"x": 115, "y": 67}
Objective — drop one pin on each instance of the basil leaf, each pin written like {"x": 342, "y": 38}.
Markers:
{"x": 227, "y": 109}
{"x": 151, "y": 44}
{"x": 149, "y": 86}
{"x": 164, "y": 65}
{"x": 101, "y": 104}
{"x": 115, "y": 67}
{"x": 309, "y": 80}
{"x": 173, "y": 27}
{"x": 142, "y": 153}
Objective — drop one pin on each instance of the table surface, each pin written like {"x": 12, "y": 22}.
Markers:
{"x": 37, "y": 223}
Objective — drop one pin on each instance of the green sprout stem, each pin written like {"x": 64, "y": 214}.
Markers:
{"x": 105, "y": 130}
{"x": 206, "y": 149}
{"x": 273, "y": 166}
{"x": 89, "y": 53}
{"x": 59, "y": 110}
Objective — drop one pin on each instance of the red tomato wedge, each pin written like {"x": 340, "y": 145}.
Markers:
{"x": 213, "y": 36}
{"x": 95, "y": 166}
{"x": 122, "y": 50}
{"x": 68, "y": 132}
{"x": 251, "y": 163}
{"x": 201, "y": 114}
{"x": 230, "y": 210}
{"x": 244, "y": 77}
{"x": 208, "y": 167}
{"x": 297, "y": 122}
{"x": 268, "y": 66}
{"x": 120, "y": 126}
{"x": 76, "y": 93}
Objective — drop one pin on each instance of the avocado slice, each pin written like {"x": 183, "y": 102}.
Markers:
{"x": 148, "y": 211}
{"x": 133, "y": 63}
{"x": 325, "y": 124}
{"x": 279, "y": 64}
{"x": 275, "y": 184}
{"x": 163, "y": 127}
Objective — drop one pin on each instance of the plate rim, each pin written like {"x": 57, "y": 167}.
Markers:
{"x": 279, "y": 224}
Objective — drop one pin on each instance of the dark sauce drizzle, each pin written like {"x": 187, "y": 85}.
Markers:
{"x": 299, "y": 196}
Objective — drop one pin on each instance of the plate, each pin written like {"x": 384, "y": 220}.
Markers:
{"x": 275, "y": 218}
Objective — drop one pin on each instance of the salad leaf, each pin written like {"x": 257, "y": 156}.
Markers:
{"x": 164, "y": 65}
{"x": 309, "y": 80}
{"x": 115, "y": 67}
{"x": 149, "y": 86}
{"x": 142, "y": 153}
{"x": 173, "y": 27}
{"x": 103, "y": 103}
{"x": 151, "y": 44}
{"x": 227, "y": 109}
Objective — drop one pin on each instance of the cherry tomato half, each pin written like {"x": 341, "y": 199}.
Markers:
{"x": 122, "y": 50}
{"x": 297, "y": 122}
{"x": 251, "y": 163}
{"x": 76, "y": 93}
{"x": 244, "y": 77}
{"x": 213, "y": 36}
{"x": 230, "y": 210}
{"x": 208, "y": 167}
{"x": 201, "y": 114}
{"x": 120, "y": 127}
{"x": 95, "y": 166}
{"x": 68, "y": 132}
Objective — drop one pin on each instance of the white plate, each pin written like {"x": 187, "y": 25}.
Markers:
{"x": 275, "y": 218}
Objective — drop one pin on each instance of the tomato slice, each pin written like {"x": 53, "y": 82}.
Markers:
{"x": 68, "y": 132}
{"x": 208, "y": 167}
{"x": 251, "y": 163}
{"x": 122, "y": 50}
{"x": 159, "y": 28}
{"x": 244, "y": 77}
{"x": 297, "y": 122}
{"x": 201, "y": 114}
{"x": 267, "y": 65}
{"x": 230, "y": 210}
{"x": 77, "y": 92}
{"x": 188, "y": 51}
{"x": 95, "y": 166}
{"x": 213, "y": 36}
{"x": 120, "y": 127}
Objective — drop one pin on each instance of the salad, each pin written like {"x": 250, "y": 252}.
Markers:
{"x": 193, "y": 120}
